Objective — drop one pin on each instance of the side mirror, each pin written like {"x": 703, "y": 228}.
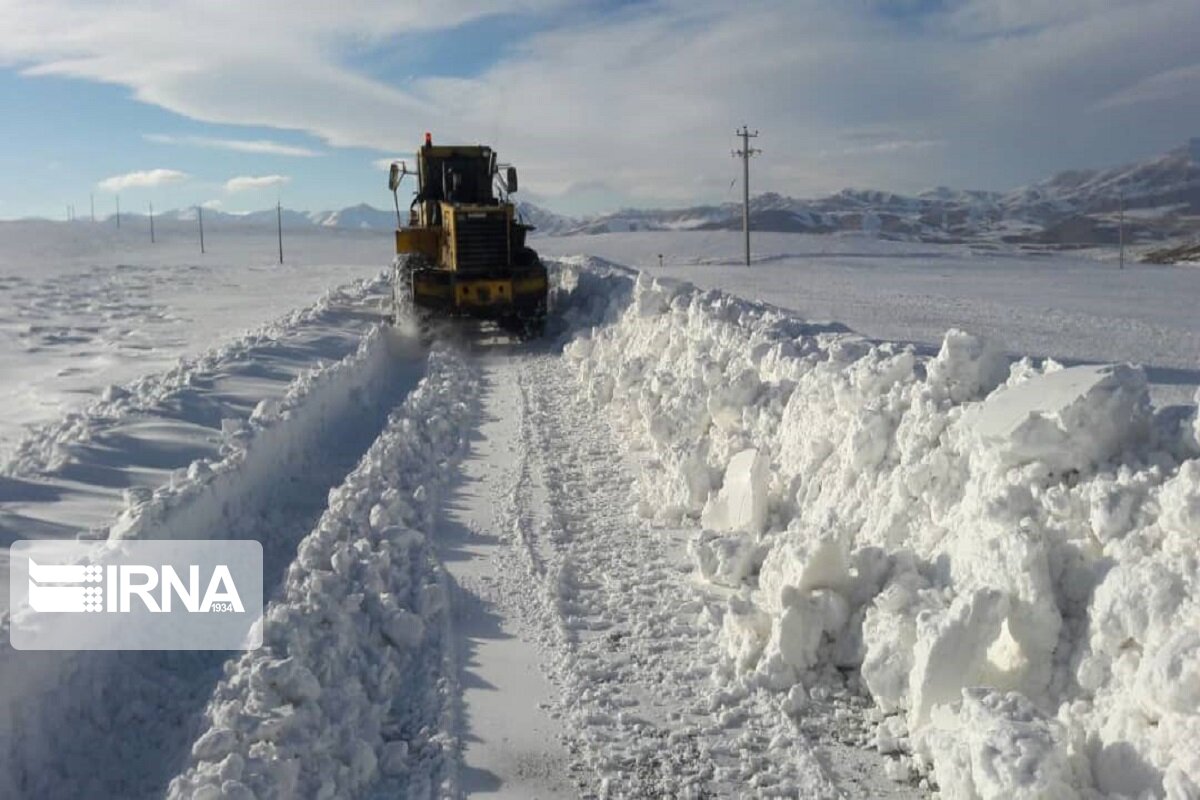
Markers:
{"x": 396, "y": 174}
{"x": 511, "y": 182}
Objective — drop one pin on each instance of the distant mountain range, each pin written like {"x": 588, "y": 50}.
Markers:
{"x": 1160, "y": 197}
{"x": 358, "y": 217}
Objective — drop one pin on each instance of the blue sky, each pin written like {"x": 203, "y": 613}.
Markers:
{"x": 600, "y": 104}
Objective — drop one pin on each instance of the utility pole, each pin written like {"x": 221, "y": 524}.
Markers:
{"x": 152, "y": 223}
{"x": 92, "y": 200}
{"x": 200, "y": 218}
{"x": 1121, "y": 229}
{"x": 279, "y": 223}
{"x": 118, "y": 211}
{"x": 744, "y": 154}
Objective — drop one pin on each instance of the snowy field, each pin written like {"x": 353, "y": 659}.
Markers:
{"x": 83, "y": 306}
{"x": 686, "y": 545}
{"x": 1074, "y": 308}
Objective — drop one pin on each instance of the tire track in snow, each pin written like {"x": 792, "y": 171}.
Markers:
{"x": 624, "y": 631}
{"x": 120, "y": 723}
{"x": 507, "y": 744}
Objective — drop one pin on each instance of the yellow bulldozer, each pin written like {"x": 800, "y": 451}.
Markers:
{"x": 463, "y": 251}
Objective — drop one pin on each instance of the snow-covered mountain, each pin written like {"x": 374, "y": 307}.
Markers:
{"x": 253, "y": 219}
{"x": 1161, "y": 197}
{"x": 1169, "y": 181}
{"x": 543, "y": 221}
{"x": 361, "y": 216}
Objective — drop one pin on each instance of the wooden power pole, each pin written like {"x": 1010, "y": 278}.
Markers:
{"x": 744, "y": 154}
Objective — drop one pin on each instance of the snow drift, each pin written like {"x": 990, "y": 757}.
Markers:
{"x": 1006, "y": 557}
{"x": 47, "y": 448}
{"x": 62, "y": 711}
{"x": 320, "y": 710}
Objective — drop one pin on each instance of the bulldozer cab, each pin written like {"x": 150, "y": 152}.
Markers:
{"x": 457, "y": 175}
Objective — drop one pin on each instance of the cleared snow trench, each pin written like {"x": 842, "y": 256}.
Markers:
{"x": 119, "y": 724}
{"x": 511, "y": 747}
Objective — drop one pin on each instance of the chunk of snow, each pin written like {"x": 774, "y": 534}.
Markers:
{"x": 744, "y": 633}
{"x": 1071, "y": 419}
{"x": 741, "y": 504}
{"x": 997, "y": 746}
{"x": 799, "y": 563}
{"x": 724, "y": 560}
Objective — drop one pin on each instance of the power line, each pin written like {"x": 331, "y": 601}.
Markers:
{"x": 744, "y": 154}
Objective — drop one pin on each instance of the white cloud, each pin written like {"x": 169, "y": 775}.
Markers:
{"x": 1173, "y": 86}
{"x": 144, "y": 179}
{"x": 385, "y": 164}
{"x": 273, "y": 63}
{"x": 246, "y": 183}
{"x": 646, "y": 99}
{"x": 256, "y": 146}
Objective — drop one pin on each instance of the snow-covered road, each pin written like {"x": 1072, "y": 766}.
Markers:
{"x": 576, "y": 622}
{"x": 688, "y": 545}
{"x": 570, "y": 653}
{"x": 512, "y": 747}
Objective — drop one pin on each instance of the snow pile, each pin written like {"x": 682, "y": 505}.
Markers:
{"x": 213, "y": 495}
{"x": 46, "y": 448}
{"x": 1004, "y": 556}
{"x": 318, "y": 711}
{"x": 49, "y": 698}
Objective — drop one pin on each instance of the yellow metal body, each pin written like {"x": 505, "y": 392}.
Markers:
{"x": 424, "y": 241}
{"x": 451, "y": 217}
{"x": 467, "y": 247}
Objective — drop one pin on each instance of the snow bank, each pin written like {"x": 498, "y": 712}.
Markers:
{"x": 319, "y": 710}
{"x": 214, "y": 494}
{"x": 47, "y": 448}
{"x": 1004, "y": 556}
{"x": 49, "y": 698}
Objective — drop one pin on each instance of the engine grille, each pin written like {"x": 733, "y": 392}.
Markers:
{"x": 481, "y": 241}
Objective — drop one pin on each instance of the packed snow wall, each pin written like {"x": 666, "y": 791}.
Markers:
{"x": 1005, "y": 556}
{"x": 55, "y": 705}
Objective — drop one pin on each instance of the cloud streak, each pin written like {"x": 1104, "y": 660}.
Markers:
{"x": 1175, "y": 86}
{"x": 974, "y": 93}
{"x": 145, "y": 179}
{"x": 249, "y": 183}
{"x": 254, "y": 146}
